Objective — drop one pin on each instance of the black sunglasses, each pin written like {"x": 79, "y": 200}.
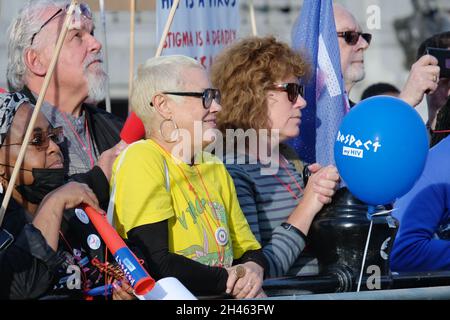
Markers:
{"x": 293, "y": 90}
{"x": 208, "y": 95}
{"x": 82, "y": 8}
{"x": 352, "y": 37}
{"x": 41, "y": 139}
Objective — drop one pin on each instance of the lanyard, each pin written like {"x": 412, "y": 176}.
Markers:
{"x": 88, "y": 148}
{"x": 286, "y": 186}
{"x": 220, "y": 249}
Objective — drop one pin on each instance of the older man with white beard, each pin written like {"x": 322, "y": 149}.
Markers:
{"x": 79, "y": 79}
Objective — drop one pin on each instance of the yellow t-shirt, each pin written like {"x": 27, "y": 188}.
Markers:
{"x": 144, "y": 194}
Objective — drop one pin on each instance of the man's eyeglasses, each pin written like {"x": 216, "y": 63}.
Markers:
{"x": 208, "y": 95}
{"x": 41, "y": 139}
{"x": 352, "y": 37}
{"x": 81, "y": 9}
{"x": 293, "y": 90}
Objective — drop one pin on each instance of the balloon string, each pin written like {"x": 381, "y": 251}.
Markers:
{"x": 365, "y": 251}
{"x": 370, "y": 211}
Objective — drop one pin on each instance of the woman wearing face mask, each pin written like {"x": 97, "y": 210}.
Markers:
{"x": 41, "y": 252}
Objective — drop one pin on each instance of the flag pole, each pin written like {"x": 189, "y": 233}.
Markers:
{"x": 167, "y": 27}
{"x": 252, "y": 18}
{"x": 105, "y": 54}
{"x": 133, "y": 126}
{"x": 132, "y": 27}
{"x": 36, "y": 110}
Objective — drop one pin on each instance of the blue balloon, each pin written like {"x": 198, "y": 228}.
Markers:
{"x": 381, "y": 149}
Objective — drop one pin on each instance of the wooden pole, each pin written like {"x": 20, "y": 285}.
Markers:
{"x": 132, "y": 28}
{"x": 167, "y": 27}
{"x": 37, "y": 108}
{"x": 105, "y": 54}
{"x": 252, "y": 18}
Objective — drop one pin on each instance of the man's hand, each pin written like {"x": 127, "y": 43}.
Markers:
{"x": 423, "y": 79}
{"x": 107, "y": 158}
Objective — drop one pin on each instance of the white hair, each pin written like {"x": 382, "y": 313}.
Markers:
{"x": 156, "y": 75}
{"x": 21, "y": 30}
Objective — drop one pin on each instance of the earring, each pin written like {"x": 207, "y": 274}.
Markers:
{"x": 177, "y": 134}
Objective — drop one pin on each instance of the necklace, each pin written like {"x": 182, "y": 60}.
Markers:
{"x": 220, "y": 235}
{"x": 286, "y": 186}
{"x": 88, "y": 148}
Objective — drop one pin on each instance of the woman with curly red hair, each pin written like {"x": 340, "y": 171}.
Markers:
{"x": 260, "y": 82}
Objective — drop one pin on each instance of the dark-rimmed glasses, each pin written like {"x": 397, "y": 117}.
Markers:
{"x": 208, "y": 95}
{"x": 83, "y": 8}
{"x": 41, "y": 139}
{"x": 293, "y": 90}
{"x": 352, "y": 37}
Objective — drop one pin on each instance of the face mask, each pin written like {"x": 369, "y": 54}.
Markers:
{"x": 45, "y": 181}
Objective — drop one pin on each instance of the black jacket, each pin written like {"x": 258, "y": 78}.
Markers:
{"x": 30, "y": 269}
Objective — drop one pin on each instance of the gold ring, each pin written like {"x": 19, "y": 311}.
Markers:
{"x": 239, "y": 271}
{"x": 435, "y": 78}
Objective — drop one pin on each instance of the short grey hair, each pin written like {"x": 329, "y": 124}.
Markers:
{"x": 156, "y": 75}
{"x": 22, "y": 28}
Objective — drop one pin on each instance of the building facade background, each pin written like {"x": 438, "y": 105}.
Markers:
{"x": 397, "y": 27}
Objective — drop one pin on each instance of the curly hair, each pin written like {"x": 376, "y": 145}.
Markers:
{"x": 244, "y": 72}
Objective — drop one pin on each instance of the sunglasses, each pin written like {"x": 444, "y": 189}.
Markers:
{"x": 80, "y": 9}
{"x": 208, "y": 95}
{"x": 352, "y": 37}
{"x": 293, "y": 90}
{"x": 41, "y": 139}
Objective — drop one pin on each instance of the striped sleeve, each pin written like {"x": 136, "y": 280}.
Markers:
{"x": 282, "y": 250}
{"x": 246, "y": 196}
{"x": 282, "y": 247}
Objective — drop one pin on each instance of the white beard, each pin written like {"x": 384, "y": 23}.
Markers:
{"x": 355, "y": 74}
{"x": 96, "y": 86}
{"x": 96, "y": 79}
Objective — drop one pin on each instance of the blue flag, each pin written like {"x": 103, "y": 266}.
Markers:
{"x": 314, "y": 34}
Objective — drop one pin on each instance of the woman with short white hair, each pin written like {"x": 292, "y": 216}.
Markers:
{"x": 175, "y": 202}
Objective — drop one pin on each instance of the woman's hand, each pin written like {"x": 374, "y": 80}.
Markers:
{"x": 122, "y": 291}
{"x": 245, "y": 285}
{"x": 71, "y": 195}
{"x": 319, "y": 191}
{"x": 49, "y": 214}
{"x": 320, "y": 188}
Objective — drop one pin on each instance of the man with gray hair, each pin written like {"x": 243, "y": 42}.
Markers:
{"x": 79, "y": 79}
